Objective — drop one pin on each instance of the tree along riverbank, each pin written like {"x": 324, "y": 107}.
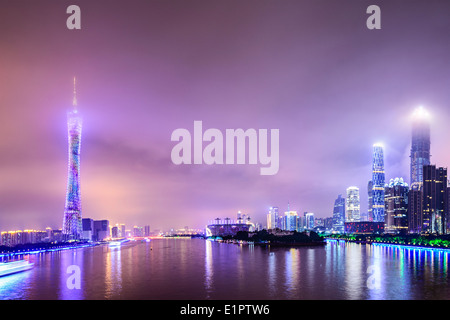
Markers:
{"x": 429, "y": 241}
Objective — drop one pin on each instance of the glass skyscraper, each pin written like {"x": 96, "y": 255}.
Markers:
{"x": 434, "y": 190}
{"x": 420, "y": 147}
{"x": 370, "y": 200}
{"x": 352, "y": 205}
{"x": 72, "y": 223}
{"x": 339, "y": 214}
{"x": 396, "y": 202}
{"x": 378, "y": 181}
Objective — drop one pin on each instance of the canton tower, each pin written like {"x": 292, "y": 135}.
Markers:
{"x": 420, "y": 147}
{"x": 72, "y": 211}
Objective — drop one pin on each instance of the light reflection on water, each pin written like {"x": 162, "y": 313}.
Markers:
{"x": 199, "y": 269}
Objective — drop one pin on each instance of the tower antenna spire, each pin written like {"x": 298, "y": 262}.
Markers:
{"x": 74, "y": 101}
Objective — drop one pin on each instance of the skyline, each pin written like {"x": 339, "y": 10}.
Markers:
{"x": 271, "y": 68}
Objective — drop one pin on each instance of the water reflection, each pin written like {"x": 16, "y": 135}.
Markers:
{"x": 214, "y": 270}
{"x": 71, "y": 273}
{"x": 272, "y": 274}
{"x": 113, "y": 268}
{"x": 9, "y": 285}
{"x": 209, "y": 272}
{"x": 292, "y": 270}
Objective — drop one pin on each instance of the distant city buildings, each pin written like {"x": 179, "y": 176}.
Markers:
{"x": 18, "y": 237}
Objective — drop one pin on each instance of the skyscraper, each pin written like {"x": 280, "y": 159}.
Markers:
{"x": 434, "y": 192}
{"x": 339, "y": 214}
{"x": 290, "y": 218}
{"x": 272, "y": 218}
{"x": 72, "y": 227}
{"x": 396, "y": 203}
{"x": 420, "y": 147}
{"x": 415, "y": 211}
{"x": 370, "y": 200}
{"x": 378, "y": 181}
{"x": 352, "y": 205}
{"x": 309, "y": 220}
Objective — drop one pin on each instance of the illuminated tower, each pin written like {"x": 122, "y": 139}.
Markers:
{"x": 420, "y": 147}
{"x": 72, "y": 224}
{"x": 378, "y": 180}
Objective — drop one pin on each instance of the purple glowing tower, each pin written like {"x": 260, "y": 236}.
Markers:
{"x": 72, "y": 212}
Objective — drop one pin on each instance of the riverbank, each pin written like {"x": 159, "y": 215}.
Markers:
{"x": 36, "y": 248}
{"x": 419, "y": 241}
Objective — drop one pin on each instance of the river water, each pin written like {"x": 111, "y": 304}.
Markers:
{"x": 199, "y": 269}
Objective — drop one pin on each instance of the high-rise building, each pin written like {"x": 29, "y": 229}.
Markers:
{"x": 309, "y": 221}
{"x": 122, "y": 229}
{"x": 415, "y": 211}
{"x": 435, "y": 197}
{"x": 291, "y": 218}
{"x": 272, "y": 218}
{"x": 396, "y": 205}
{"x": 378, "y": 182}
{"x": 114, "y": 232}
{"x": 339, "y": 214}
{"x": 370, "y": 200}
{"x": 147, "y": 230}
{"x": 87, "y": 229}
{"x": 101, "y": 230}
{"x": 72, "y": 227}
{"x": 352, "y": 205}
{"x": 420, "y": 147}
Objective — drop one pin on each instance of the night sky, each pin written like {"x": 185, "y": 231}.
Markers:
{"x": 311, "y": 69}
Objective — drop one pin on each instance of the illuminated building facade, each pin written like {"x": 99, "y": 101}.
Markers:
{"x": 370, "y": 200}
{"x": 339, "y": 214}
{"x": 291, "y": 220}
{"x": 309, "y": 221}
{"x": 396, "y": 205}
{"x": 364, "y": 227}
{"x": 226, "y": 227}
{"x": 352, "y": 205}
{"x": 378, "y": 181}
{"x": 435, "y": 197}
{"x": 272, "y": 218}
{"x": 415, "y": 211}
{"x": 72, "y": 225}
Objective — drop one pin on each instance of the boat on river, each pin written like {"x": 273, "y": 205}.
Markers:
{"x": 7, "y": 268}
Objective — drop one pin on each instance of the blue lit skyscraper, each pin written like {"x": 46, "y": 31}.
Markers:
{"x": 339, "y": 214}
{"x": 72, "y": 223}
{"x": 370, "y": 200}
{"x": 378, "y": 182}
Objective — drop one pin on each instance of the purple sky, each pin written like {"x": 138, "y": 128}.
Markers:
{"x": 145, "y": 68}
